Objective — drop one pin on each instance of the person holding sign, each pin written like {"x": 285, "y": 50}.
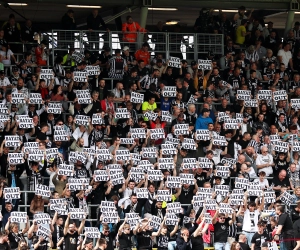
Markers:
{"x": 125, "y": 235}
{"x": 14, "y": 236}
{"x": 149, "y": 106}
{"x": 71, "y": 233}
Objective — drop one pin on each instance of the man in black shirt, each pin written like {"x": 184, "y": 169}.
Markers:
{"x": 4, "y": 241}
{"x": 259, "y": 237}
{"x": 284, "y": 229}
{"x": 281, "y": 181}
{"x": 71, "y": 234}
{"x": 221, "y": 225}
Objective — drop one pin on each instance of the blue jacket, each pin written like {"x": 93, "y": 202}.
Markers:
{"x": 202, "y": 123}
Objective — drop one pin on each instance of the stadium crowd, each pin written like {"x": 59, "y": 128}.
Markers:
{"x": 144, "y": 165}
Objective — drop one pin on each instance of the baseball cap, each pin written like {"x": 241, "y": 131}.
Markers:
{"x": 125, "y": 48}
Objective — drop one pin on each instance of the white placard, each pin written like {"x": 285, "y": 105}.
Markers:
{"x": 93, "y": 70}
{"x": 12, "y": 193}
{"x": 80, "y": 76}
{"x": 35, "y": 98}
{"x": 46, "y": 74}
{"x": 92, "y": 232}
{"x": 174, "y": 62}
{"x": 17, "y": 98}
{"x": 204, "y": 64}
{"x": 279, "y": 95}
{"x": 181, "y": 129}
{"x": 54, "y": 108}
{"x": 136, "y": 97}
{"x": 83, "y": 97}
{"x": 264, "y": 95}
{"x": 19, "y": 217}
{"x": 42, "y": 190}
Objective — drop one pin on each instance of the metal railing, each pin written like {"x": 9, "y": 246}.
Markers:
{"x": 183, "y": 45}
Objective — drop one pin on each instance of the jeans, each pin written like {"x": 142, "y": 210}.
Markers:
{"x": 249, "y": 237}
{"x": 219, "y": 246}
{"x": 172, "y": 245}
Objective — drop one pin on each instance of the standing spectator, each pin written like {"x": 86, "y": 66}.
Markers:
{"x": 130, "y": 31}
{"x": 41, "y": 53}
{"x": 12, "y": 32}
{"x": 68, "y": 24}
{"x": 285, "y": 56}
{"x": 143, "y": 54}
{"x": 94, "y": 20}
{"x": 117, "y": 66}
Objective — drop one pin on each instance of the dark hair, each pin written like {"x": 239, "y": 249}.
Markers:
{"x": 58, "y": 60}
{"x": 55, "y": 90}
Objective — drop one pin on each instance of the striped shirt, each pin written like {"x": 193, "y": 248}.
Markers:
{"x": 117, "y": 65}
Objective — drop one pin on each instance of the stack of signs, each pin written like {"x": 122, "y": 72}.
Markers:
{"x": 287, "y": 198}
{"x": 174, "y": 207}
{"x": 163, "y": 195}
{"x": 132, "y": 219}
{"x": 189, "y": 163}
{"x": 254, "y": 189}
{"x": 136, "y": 97}
{"x": 241, "y": 183}
{"x": 110, "y": 217}
{"x": 78, "y": 184}
{"x": 82, "y": 120}
{"x": 36, "y": 155}
{"x": 97, "y": 119}
{"x": 189, "y": 144}
{"x": 137, "y": 133}
{"x": 137, "y": 174}
{"x": 157, "y": 133}
{"x": 181, "y": 129}
{"x": 204, "y": 64}
{"x": 122, "y": 113}
{"x": 279, "y": 95}
{"x": 166, "y": 116}
{"x": 166, "y": 163}
{"x": 77, "y": 56}
{"x": 46, "y": 74}
{"x": 116, "y": 177}
{"x": 18, "y": 217}
{"x": 43, "y": 232}
{"x": 135, "y": 158}
{"x": 142, "y": 193}
{"x": 219, "y": 141}
{"x": 51, "y": 153}
{"x": 54, "y": 108}
{"x": 154, "y": 175}
{"x": 202, "y": 135}
{"x": 42, "y": 190}
{"x": 122, "y": 155}
{"x": 222, "y": 190}
{"x": 187, "y": 179}
{"x": 149, "y": 152}
{"x": 12, "y": 193}
{"x": 222, "y": 116}
{"x": 15, "y": 158}
{"x": 66, "y": 170}
{"x": 100, "y": 175}
{"x": 237, "y": 197}
{"x": 80, "y": 76}
{"x": 35, "y": 98}
{"x": 210, "y": 204}
{"x": 93, "y": 70}
{"x": 168, "y": 149}
{"x": 270, "y": 197}
{"x": 59, "y": 206}
{"x": 252, "y": 103}
{"x": 280, "y": 146}
{"x": 92, "y": 232}
{"x": 173, "y": 182}
{"x": 222, "y": 171}
{"x": 205, "y": 162}
{"x": 231, "y": 124}
{"x": 42, "y": 218}
{"x": 169, "y": 91}
{"x": 295, "y": 104}
{"x": 244, "y": 95}
{"x": 174, "y": 62}
{"x": 265, "y": 95}
{"x": 103, "y": 155}
{"x": 77, "y": 213}
{"x": 17, "y": 98}
{"x": 225, "y": 208}
{"x": 83, "y": 96}
{"x": 155, "y": 222}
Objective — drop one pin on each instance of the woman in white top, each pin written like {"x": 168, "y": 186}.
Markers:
{"x": 262, "y": 181}
{"x": 6, "y": 55}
